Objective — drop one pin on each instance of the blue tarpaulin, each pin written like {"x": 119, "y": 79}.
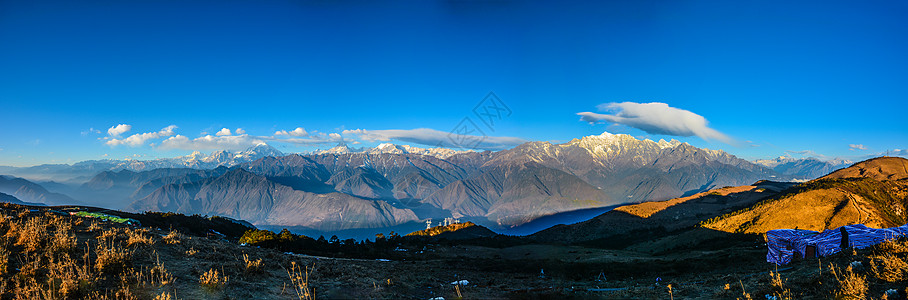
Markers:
{"x": 784, "y": 244}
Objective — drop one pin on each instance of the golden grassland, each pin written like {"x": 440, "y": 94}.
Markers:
{"x": 46, "y": 255}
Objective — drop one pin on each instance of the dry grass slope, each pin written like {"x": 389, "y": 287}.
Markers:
{"x": 855, "y": 195}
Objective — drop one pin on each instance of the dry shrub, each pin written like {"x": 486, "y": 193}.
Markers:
{"x": 30, "y": 233}
{"x": 4, "y": 260}
{"x": 63, "y": 240}
{"x": 138, "y": 236}
{"x": 299, "y": 279}
{"x": 69, "y": 276}
{"x": 109, "y": 234}
{"x": 112, "y": 257}
{"x": 173, "y": 237}
{"x": 895, "y": 246}
{"x": 778, "y": 285}
{"x": 850, "y": 284}
{"x": 94, "y": 226}
{"x": 213, "y": 280}
{"x": 888, "y": 267}
{"x": 192, "y": 251}
{"x": 164, "y": 296}
{"x": 253, "y": 266}
{"x": 30, "y": 288}
{"x": 159, "y": 275}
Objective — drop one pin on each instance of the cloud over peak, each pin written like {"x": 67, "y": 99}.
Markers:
{"x": 116, "y": 131}
{"x": 299, "y": 132}
{"x": 432, "y": 137}
{"x": 139, "y": 139}
{"x": 656, "y": 118}
{"x": 210, "y": 142}
{"x": 223, "y": 132}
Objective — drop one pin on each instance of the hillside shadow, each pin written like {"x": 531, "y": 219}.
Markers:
{"x": 300, "y": 184}
{"x": 672, "y": 228}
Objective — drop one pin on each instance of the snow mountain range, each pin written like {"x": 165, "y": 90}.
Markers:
{"x": 388, "y": 185}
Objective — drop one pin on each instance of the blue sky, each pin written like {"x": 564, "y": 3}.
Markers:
{"x": 771, "y": 78}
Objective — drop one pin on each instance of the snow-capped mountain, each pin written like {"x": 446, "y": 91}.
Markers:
{"x": 389, "y": 148}
{"x": 197, "y": 160}
{"x": 341, "y": 148}
{"x": 390, "y": 184}
{"x": 441, "y": 153}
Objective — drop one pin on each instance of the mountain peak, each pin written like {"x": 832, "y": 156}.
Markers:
{"x": 341, "y": 148}
{"x": 670, "y": 144}
{"x": 261, "y": 150}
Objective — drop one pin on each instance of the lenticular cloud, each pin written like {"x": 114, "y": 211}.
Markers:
{"x": 656, "y": 118}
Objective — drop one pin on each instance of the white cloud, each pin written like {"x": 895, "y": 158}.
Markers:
{"x": 139, "y": 139}
{"x": 223, "y": 131}
{"x": 116, "y": 131}
{"x": 313, "y": 138}
{"x": 210, "y": 142}
{"x": 432, "y": 137}
{"x": 90, "y": 131}
{"x": 299, "y": 131}
{"x": 240, "y": 131}
{"x": 853, "y": 147}
{"x": 656, "y": 118}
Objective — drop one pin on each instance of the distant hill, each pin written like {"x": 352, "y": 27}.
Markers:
{"x": 118, "y": 189}
{"x": 9, "y": 199}
{"x": 457, "y": 231}
{"x": 28, "y": 191}
{"x": 873, "y": 192}
{"x": 803, "y": 168}
{"x": 81, "y": 172}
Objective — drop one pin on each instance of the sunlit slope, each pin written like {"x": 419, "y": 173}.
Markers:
{"x": 871, "y": 192}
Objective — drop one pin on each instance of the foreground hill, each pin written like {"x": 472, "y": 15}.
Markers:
{"x": 873, "y": 192}
{"x": 630, "y": 224}
{"x": 881, "y": 169}
{"x": 48, "y": 254}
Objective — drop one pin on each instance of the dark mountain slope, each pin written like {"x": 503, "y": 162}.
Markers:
{"x": 517, "y": 193}
{"x": 116, "y": 190}
{"x": 244, "y": 195}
